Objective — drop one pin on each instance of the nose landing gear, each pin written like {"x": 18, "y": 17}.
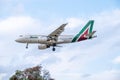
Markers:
{"x": 27, "y": 46}
{"x": 53, "y": 49}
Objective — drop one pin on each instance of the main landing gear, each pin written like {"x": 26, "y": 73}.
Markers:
{"x": 53, "y": 49}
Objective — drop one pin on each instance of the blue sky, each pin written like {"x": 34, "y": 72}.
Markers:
{"x": 96, "y": 59}
{"x": 61, "y": 8}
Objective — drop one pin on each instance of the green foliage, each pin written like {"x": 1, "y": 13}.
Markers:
{"x": 28, "y": 74}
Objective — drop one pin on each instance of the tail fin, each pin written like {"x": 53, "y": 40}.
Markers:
{"x": 86, "y": 30}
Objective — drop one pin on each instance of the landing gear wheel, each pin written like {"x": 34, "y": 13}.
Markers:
{"x": 53, "y": 49}
{"x": 26, "y": 47}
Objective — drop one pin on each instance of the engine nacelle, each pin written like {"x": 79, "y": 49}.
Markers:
{"x": 42, "y": 46}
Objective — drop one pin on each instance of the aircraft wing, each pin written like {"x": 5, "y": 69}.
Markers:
{"x": 58, "y": 31}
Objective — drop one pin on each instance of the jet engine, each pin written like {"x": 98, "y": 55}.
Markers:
{"x": 42, "y": 46}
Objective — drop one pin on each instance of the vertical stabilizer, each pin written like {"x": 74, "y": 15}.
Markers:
{"x": 87, "y": 29}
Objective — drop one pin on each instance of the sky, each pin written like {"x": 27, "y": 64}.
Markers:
{"x": 96, "y": 59}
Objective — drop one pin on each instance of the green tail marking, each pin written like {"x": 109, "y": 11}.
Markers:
{"x": 89, "y": 24}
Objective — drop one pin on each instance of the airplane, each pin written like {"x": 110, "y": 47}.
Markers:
{"x": 55, "y": 38}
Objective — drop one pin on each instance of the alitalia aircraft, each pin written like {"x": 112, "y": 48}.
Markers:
{"x": 55, "y": 38}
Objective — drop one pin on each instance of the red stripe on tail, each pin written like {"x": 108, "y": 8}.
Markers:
{"x": 82, "y": 37}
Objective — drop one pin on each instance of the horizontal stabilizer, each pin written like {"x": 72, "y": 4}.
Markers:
{"x": 94, "y": 36}
{"x": 90, "y": 35}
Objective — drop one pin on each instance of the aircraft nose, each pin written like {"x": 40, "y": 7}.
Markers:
{"x": 18, "y": 40}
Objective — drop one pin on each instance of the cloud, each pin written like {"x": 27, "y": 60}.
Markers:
{"x": 5, "y": 61}
{"x": 117, "y": 60}
{"x": 72, "y": 60}
{"x": 16, "y": 23}
{"x": 103, "y": 20}
{"x": 74, "y": 22}
{"x": 107, "y": 20}
{"x": 2, "y": 75}
{"x": 106, "y": 75}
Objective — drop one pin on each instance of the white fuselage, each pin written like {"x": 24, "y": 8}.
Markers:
{"x": 43, "y": 39}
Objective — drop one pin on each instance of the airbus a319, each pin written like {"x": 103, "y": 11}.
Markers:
{"x": 55, "y": 38}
